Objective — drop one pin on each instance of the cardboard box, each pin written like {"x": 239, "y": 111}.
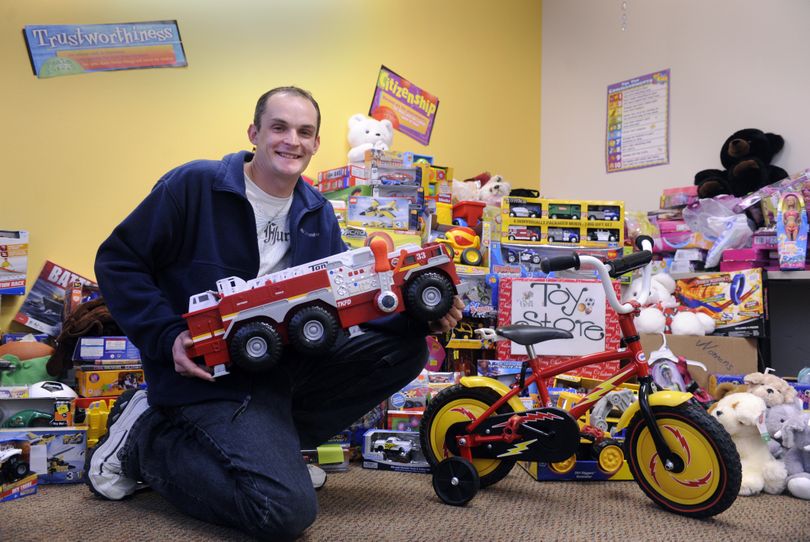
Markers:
{"x": 583, "y": 470}
{"x": 93, "y": 382}
{"x": 723, "y": 355}
{"x": 393, "y": 450}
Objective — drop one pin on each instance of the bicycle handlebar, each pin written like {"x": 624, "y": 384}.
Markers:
{"x": 613, "y": 268}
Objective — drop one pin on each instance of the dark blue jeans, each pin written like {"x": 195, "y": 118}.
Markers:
{"x": 240, "y": 464}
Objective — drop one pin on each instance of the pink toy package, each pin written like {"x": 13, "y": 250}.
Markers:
{"x": 791, "y": 231}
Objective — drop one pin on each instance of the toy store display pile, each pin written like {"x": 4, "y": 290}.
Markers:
{"x": 420, "y": 236}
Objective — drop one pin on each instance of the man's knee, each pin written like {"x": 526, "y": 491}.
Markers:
{"x": 280, "y": 519}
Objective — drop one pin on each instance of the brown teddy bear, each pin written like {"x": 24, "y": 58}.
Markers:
{"x": 772, "y": 389}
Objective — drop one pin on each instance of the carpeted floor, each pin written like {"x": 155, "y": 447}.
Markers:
{"x": 364, "y": 505}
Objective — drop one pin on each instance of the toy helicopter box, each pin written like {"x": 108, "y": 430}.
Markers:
{"x": 393, "y": 450}
{"x": 56, "y": 454}
{"x": 734, "y": 299}
{"x": 13, "y": 261}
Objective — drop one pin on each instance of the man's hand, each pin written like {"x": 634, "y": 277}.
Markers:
{"x": 185, "y": 365}
{"x": 449, "y": 320}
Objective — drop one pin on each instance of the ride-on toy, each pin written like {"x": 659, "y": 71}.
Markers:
{"x": 473, "y": 433}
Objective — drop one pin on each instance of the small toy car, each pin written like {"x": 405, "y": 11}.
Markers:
{"x": 522, "y": 234}
{"x": 565, "y": 212}
{"x": 394, "y": 448}
{"x": 464, "y": 245}
{"x": 609, "y": 213}
{"x": 524, "y": 256}
{"x": 12, "y": 465}
{"x": 523, "y": 212}
{"x": 602, "y": 235}
{"x": 563, "y": 235}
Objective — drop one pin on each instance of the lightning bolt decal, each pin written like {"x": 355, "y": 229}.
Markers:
{"x": 685, "y": 445}
{"x": 518, "y": 448}
{"x": 464, "y": 411}
{"x": 653, "y": 463}
{"x": 695, "y": 483}
{"x": 532, "y": 416}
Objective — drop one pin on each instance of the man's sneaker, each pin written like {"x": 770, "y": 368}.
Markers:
{"x": 318, "y": 476}
{"x": 105, "y": 475}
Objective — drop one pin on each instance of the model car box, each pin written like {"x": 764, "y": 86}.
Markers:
{"x": 393, "y": 450}
{"x": 19, "y": 488}
{"x": 95, "y": 382}
{"x": 55, "y": 454}
{"x": 734, "y": 299}
{"x": 414, "y": 395}
{"x": 114, "y": 349}
{"x": 13, "y": 261}
{"x": 720, "y": 355}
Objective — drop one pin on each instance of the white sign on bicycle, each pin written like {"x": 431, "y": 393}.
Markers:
{"x": 577, "y": 306}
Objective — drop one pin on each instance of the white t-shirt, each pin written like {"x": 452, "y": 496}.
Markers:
{"x": 272, "y": 227}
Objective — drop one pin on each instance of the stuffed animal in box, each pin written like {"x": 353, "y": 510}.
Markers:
{"x": 741, "y": 414}
{"x": 795, "y": 435}
{"x": 746, "y": 156}
{"x": 662, "y": 313}
{"x": 366, "y": 133}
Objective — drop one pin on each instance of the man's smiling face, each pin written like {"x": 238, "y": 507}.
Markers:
{"x": 286, "y": 138}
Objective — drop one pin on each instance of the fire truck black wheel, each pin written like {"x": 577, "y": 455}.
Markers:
{"x": 313, "y": 330}
{"x": 428, "y": 296}
{"x": 256, "y": 347}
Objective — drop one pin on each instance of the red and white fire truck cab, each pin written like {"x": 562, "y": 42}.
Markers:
{"x": 249, "y": 322}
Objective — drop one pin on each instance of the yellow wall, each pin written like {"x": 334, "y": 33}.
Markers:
{"x": 79, "y": 152}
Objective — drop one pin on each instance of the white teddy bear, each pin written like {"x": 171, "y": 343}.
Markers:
{"x": 367, "y": 133}
{"x": 494, "y": 190}
{"x": 661, "y": 302}
{"x": 740, "y": 414}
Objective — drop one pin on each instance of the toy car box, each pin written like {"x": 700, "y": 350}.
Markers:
{"x": 95, "y": 382}
{"x": 19, "y": 488}
{"x": 393, "y": 450}
{"x": 56, "y": 454}
{"x": 14, "y": 257}
{"x": 414, "y": 395}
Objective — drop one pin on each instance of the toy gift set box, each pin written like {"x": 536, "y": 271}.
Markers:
{"x": 13, "y": 261}
{"x": 390, "y": 213}
{"x": 55, "y": 454}
{"x": 393, "y": 450}
{"x": 96, "y": 382}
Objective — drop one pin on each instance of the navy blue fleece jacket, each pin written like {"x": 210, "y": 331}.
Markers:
{"x": 195, "y": 227}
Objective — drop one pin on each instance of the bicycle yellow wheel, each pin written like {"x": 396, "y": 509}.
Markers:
{"x": 460, "y": 404}
{"x": 711, "y": 475}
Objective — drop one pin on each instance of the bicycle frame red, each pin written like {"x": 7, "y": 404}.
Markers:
{"x": 633, "y": 354}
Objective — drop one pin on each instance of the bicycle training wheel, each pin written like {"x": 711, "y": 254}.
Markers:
{"x": 460, "y": 404}
{"x": 711, "y": 475}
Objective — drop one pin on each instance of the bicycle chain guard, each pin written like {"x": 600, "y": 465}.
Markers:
{"x": 544, "y": 434}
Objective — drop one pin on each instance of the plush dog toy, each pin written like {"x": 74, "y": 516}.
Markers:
{"x": 772, "y": 389}
{"x": 366, "y": 133}
{"x": 740, "y": 414}
{"x": 493, "y": 191}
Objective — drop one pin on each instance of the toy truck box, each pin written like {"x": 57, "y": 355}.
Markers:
{"x": 249, "y": 322}
{"x": 393, "y": 450}
{"x": 55, "y": 454}
{"x": 19, "y": 488}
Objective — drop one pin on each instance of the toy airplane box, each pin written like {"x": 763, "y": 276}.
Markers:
{"x": 55, "y": 454}
{"x": 13, "y": 261}
{"x": 389, "y": 213}
{"x": 393, "y": 450}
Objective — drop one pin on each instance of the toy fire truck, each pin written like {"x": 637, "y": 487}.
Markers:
{"x": 248, "y": 322}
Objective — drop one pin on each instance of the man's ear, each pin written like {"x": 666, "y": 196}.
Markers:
{"x": 317, "y": 144}
{"x": 251, "y": 132}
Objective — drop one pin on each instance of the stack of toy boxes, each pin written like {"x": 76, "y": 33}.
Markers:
{"x": 563, "y": 222}
{"x": 108, "y": 366}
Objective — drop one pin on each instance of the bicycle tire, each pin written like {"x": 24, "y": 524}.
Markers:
{"x": 449, "y": 407}
{"x": 711, "y": 478}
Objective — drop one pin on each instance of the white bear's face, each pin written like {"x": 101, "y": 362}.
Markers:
{"x": 739, "y": 413}
{"x": 363, "y": 129}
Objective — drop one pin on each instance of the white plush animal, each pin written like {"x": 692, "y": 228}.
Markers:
{"x": 367, "y": 133}
{"x": 494, "y": 190}
{"x": 661, "y": 312}
{"x": 740, "y": 414}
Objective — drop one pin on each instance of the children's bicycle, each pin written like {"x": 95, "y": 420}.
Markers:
{"x": 473, "y": 433}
